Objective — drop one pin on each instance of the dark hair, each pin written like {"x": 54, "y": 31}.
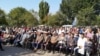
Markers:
{"x": 0, "y": 33}
{"x": 81, "y": 33}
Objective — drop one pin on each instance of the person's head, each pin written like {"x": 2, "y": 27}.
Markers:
{"x": 62, "y": 34}
{"x": 34, "y": 32}
{"x": 55, "y": 34}
{"x": 81, "y": 35}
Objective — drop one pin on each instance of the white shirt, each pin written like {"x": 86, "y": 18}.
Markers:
{"x": 60, "y": 31}
{"x": 23, "y": 37}
{"x": 81, "y": 42}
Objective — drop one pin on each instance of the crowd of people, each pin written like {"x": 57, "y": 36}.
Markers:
{"x": 78, "y": 41}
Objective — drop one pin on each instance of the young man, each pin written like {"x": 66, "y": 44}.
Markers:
{"x": 80, "y": 45}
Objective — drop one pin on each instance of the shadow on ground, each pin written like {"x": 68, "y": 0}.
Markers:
{"x": 14, "y": 51}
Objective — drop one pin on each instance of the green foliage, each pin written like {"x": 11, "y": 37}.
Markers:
{"x": 86, "y": 16}
{"x": 20, "y": 16}
{"x": 43, "y": 11}
{"x": 52, "y": 20}
{"x": 85, "y": 10}
{"x": 30, "y": 20}
{"x": 15, "y": 16}
{"x": 98, "y": 20}
{"x": 65, "y": 8}
{"x": 57, "y": 19}
{"x": 2, "y": 18}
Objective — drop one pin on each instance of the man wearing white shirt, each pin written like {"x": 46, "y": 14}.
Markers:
{"x": 24, "y": 36}
{"x": 61, "y": 30}
{"x": 81, "y": 45}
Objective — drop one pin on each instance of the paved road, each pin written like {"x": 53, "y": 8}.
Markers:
{"x": 15, "y": 51}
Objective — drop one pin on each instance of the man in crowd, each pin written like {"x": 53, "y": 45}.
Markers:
{"x": 80, "y": 45}
{"x": 1, "y": 48}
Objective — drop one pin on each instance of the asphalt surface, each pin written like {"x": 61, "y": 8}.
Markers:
{"x": 16, "y": 51}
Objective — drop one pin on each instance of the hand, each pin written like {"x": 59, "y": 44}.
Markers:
{"x": 80, "y": 47}
{"x": 70, "y": 44}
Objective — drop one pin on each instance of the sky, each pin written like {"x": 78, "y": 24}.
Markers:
{"x": 7, "y": 5}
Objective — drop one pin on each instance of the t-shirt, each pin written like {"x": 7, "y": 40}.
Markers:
{"x": 89, "y": 35}
{"x": 81, "y": 42}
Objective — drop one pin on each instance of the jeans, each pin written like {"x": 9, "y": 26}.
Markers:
{"x": 78, "y": 54}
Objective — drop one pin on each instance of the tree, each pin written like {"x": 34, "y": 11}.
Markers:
{"x": 86, "y": 16}
{"x": 72, "y": 8}
{"x": 20, "y": 16}
{"x": 2, "y": 17}
{"x": 57, "y": 19}
{"x": 15, "y": 16}
{"x": 35, "y": 14}
{"x": 65, "y": 8}
{"x": 52, "y": 20}
{"x": 30, "y": 20}
{"x": 98, "y": 20}
{"x": 43, "y": 11}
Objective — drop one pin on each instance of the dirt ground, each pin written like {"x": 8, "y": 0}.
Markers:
{"x": 16, "y": 51}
